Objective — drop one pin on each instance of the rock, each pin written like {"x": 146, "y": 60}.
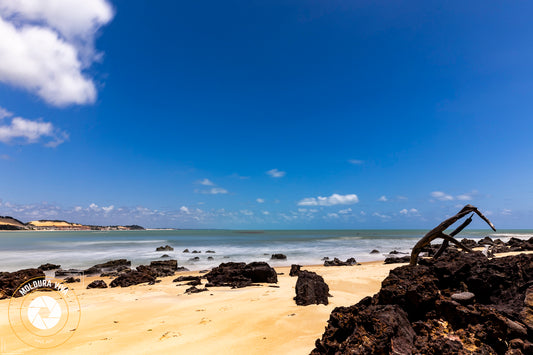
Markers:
{"x": 195, "y": 290}
{"x": 71, "y": 279}
{"x": 182, "y": 268}
{"x": 165, "y": 256}
{"x": 278, "y": 257}
{"x": 196, "y": 252}
{"x": 418, "y": 309}
{"x": 185, "y": 251}
{"x": 374, "y": 251}
{"x": 295, "y": 270}
{"x": 210, "y": 258}
{"x": 241, "y": 274}
{"x": 196, "y": 258}
{"x": 325, "y": 258}
{"x": 463, "y": 297}
{"x": 69, "y": 272}
{"x": 97, "y": 284}
{"x": 113, "y": 266}
{"x": 194, "y": 282}
{"x": 311, "y": 289}
{"x": 132, "y": 278}
{"x": 165, "y": 248}
{"x": 396, "y": 260}
{"x": 469, "y": 243}
{"x": 48, "y": 266}
{"x": 159, "y": 268}
{"x": 186, "y": 278}
{"x": 337, "y": 262}
{"x": 210, "y": 252}
{"x": 10, "y": 281}
{"x": 485, "y": 241}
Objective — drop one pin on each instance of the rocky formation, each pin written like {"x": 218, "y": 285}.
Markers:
{"x": 133, "y": 278}
{"x": 159, "y": 268}
{"x": 48, "y": 266}
{"x": 311, "y": 289}
{"x": 165, "y": 248}
{"x": 397, "y": 260}
{"x": 10, "y": 281}
{"x": 71, "y": 279}
{"x": 193, "y": 289}
{"x": 190, "y": 280}
{"x": 295, "y": 270}
{"x": 456, "y": 304}
{"x": 278, "y": 257}
{"x": 374, "y": 251}
{"x": 109, "y": 268}
{"x": 210, "y": 252}
{"x": 97, "y": 284}
{"x": 337, "y": 262}
{"x": 185, "y": 250}
{"x": 241, "y": 274}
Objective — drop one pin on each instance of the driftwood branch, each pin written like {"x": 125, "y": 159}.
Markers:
{"x": 438, "y": 232}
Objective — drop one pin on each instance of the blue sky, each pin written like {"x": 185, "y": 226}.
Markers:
{"x": 250, "y": 114}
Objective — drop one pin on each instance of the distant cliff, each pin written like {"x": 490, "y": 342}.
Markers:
{"x": 10, "y": 223}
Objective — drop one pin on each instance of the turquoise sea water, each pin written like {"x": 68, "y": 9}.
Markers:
{"x": 83, "y": 249}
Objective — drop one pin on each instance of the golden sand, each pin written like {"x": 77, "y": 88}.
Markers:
{"x": 146, "y": 319}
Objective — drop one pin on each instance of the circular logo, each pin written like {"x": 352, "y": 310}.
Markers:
{"x": 44, "y": 303}
{"x": 44, "y": 313}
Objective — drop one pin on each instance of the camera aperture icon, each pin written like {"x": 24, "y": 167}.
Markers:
{"x": 44, "y": 312}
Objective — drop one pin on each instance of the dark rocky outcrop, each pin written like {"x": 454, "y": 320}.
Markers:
{"x": 337, "y": 262}
{"x": 111, "y": 267}
{"x": 165, "y": 248}
{"x": 196, "y": 252}
{"x": 397, "y": 260}
{"x": 185, "y": 251}
{"x": 10, "y": 281}
{"x": 210, "y": 252}
{"x": 186, "y": 278}
{"x": 196, "y": 258}
{"x": 210, "y": 258}
{"x": 133, "y": 278}
{"x": 71, "y": 279}
{"x": 159, "y": 268}
{"x": 374, "y": 251}
{"x": 241, "y": 274}
{"x": 193, "y": 289}
{"x": 97, "y": 284}
{"x": 456, "y": 304}
{"x": 295, "y": 270}
{"x": 278, "y": 257}
{"x": 48, "y": 266}
{"x": 311, "y": 289}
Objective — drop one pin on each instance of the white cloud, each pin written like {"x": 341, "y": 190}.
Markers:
{"x": 206, "y": 182}
{"x": 506, "y": 212}
{"x": 383, "y": 216}
{"x": 383, "y": 198}
{"x": 266, "y": 213}
{"x": 333, "y": 215}
{"x": 184, "y": 209}
{"x": 332, "y": 200}
{"x": 260, "y": 200}
{"x": 247, "y": 212}
{"x": 345, "y": 211}
{"x": 355, "y": 161}
{"x": 108, "y": 209}
{"x": 4, "y": 113}
{"x": 275, "y": 173}
{"x": 402, "y": 198}
{"x": 362, "y": 213}
{"x": 410, "y": 212}
{"x": 217, "y": 190}
{"x": 47, "y": 44}
{"x": 22, "y": 130}
{"x": 93, "y": 206}
{"x": 441, "y": 196}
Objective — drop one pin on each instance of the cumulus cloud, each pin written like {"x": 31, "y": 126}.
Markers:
{"x": 260, "y": 200}
{"x": 217, "y": 190}
{"x": 184, "y": 209}
{"x": 355, "y": 161}
{"x": 206, "y": 182}
{"x": 441, "y": 196}
{"x": 345, "y": 211}
{"x": 275, "y": 173}
{"x": 4, "y": 113}
{"x": 247, "y": 212}
{"x": 333, "y": 215}
{"x": 108, "y": 209}
{"x": 48, "y": 44}
{"x": 410, "y": 212}
{"x": 380, "y": 215}
{"x": 22, "y": 130}
{"x": 506, "y": 212}
{"x": 383, "y": 198}
{"x": 332, "y": 200}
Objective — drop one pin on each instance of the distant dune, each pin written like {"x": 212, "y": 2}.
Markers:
{"x": 10, "y": 223}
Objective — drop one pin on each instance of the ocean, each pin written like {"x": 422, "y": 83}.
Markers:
{"x": 21, "y": 249}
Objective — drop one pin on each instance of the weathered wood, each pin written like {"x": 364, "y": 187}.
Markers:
{"x": 438, "y": 232}
{"x": 445, "y": 243}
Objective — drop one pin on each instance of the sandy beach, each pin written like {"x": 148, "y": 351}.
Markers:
{"x": 146, "y": 319}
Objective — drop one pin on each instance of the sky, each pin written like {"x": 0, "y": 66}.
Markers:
{"x": 266, "y": 114}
